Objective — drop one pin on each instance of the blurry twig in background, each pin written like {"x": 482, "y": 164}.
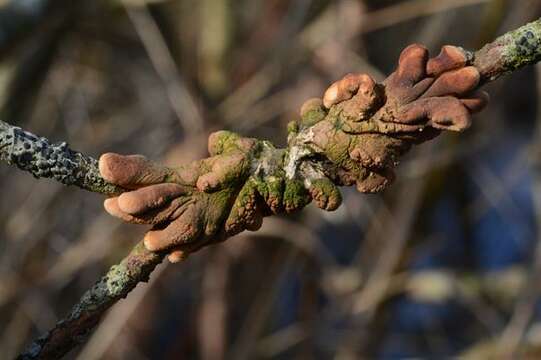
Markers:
{"x": 213, "y": 309}
{"x": 524, "y": 309}
{"x": 180, "y": 99}
{"x": 410, "y": 9}
{"x": 257, "y": 315}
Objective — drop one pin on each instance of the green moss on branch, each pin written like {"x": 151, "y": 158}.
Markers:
{"x": 510, "y": 52}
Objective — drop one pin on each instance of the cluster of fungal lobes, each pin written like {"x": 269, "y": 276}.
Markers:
{"x": 354, "y": 135}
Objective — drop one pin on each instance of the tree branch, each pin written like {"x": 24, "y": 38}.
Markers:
{"x": 44, "y": 159}
{"x": 508, "y": 53}
{"x": 56, "y": 161}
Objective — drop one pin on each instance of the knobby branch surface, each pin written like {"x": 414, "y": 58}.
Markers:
{"x": 41, "y": 158}
{"x": 300, "y": 163}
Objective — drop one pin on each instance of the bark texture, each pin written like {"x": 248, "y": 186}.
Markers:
{"x": 57, "y": 161}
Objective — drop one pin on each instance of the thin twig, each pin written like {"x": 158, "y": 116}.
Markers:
{"x": 182, "y": 102}
{"x": 41, "y": 158}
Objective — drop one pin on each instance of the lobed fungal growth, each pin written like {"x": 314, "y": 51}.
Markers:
{"x": 354, "y": 135}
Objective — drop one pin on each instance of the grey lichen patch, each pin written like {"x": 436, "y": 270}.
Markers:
{"x": 298, "y": 151}
{"x": 56, "y": 161}
{"x": 510, "y": 52}
{"x": 116, "y": 277}
{"x": 294, "y": 158}
{"x": 84, "y": 316}
{"x": 268, "y": 161}
{"x": 527, "y": 46}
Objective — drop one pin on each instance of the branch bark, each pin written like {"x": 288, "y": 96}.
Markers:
{"x": 38, "y": 156}
{"x": 44, "y": 159}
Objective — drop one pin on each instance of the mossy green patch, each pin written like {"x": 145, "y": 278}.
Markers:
{"x": 313, "y": 116}
{"x": 295, "y": 195}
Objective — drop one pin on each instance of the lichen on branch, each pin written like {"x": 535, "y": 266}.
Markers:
{"x": 85, "y": 315}
{"x": 41, "y": 158}
{"x": 510, "y": 52}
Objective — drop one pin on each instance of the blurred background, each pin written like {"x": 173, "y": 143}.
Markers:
{"x": 445, "y": 263}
